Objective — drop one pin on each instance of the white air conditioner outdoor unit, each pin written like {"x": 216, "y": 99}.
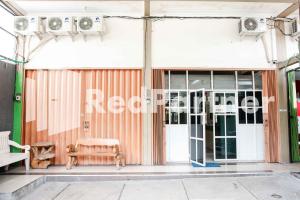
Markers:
{"x": 295, "y": 28}
{"x": 251, "y": 26}
{"x": 28, "y": 25}
{"x": 61, "y": 25}
{"x": 90, "y": 25}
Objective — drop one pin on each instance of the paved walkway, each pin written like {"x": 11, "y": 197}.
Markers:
{"x": 279, "y": 186}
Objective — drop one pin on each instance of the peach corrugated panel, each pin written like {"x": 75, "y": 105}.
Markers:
{"x": 55, "y": 110}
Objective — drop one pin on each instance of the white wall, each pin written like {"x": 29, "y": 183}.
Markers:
{"x": 121, "y": 47}
{"x": 208, "y": 43}
{"x": 7, "y": 41}
{"x": 189, "y": 43}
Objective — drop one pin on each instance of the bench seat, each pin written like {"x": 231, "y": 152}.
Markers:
{"x": 8, "y": 158}
{"x": 109, "y": 148}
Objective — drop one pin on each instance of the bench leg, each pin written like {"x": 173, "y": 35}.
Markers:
{"x": 72, "y": 160}
{"x": 27, "y": 164}
{"x": 117, "y": 160}
{"x": 69, "y": 162}
{"x": 121, "y": 157}
{"x": 6, "y": 167}
{"x": 123, "y": 161}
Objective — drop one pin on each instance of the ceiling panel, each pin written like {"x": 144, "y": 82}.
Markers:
{"x": 135, "y": 8}
{"x": 235, "y": 9}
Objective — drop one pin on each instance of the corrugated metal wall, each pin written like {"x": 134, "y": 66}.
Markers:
{"x": 56, "y": 109}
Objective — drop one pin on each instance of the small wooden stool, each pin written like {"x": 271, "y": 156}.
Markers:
{"x": 43, "y": 152}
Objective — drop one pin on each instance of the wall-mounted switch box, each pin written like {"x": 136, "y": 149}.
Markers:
{"x": 86, "y": 125}
{"x": 18, "y": 97}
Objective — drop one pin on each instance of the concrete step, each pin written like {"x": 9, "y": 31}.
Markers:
{"x": 77, "y": 177}
{"x": 13, "y": 187}
{"x": 17, "y": 186}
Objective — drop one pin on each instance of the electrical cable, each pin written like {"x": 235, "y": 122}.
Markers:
{"x": 12, "y": 60}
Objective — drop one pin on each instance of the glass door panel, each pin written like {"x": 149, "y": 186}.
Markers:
{"x": 220, "y": 148}
{"x": 230, "y": 125}
{"x": 231, "y": 148}
{"x": 200, "y": 152}
{"x": 197, "y": 127}
{"x": 200, "y": 126}
{"x": 220, "y": 125}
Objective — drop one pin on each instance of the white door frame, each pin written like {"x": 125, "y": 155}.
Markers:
{"x": 203, "y": 119}
{"x": 178, "y": 125}
{"x": 215, "y": 114}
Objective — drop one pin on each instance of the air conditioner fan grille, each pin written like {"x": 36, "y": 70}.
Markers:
{"x": 85, "y": 23}
{"x": 250, "y": 24}
{"x": 55, "y": 23}
{"x": 21, "y": 24}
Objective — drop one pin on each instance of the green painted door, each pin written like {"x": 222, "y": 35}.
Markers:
{"x": 294, "y": 138}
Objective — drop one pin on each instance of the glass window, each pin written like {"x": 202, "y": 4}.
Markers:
{"x": 230, "y": 99}
{"x": 220, "y": 148}
{"x": 192, "y": 102}
{"x": 250, "y": 115}
{"x": 250, "y": 99}
{"x": 224, "y": 80}
{"x": 199, "y": 102}
{"x": 167, "y": 115}
{"x": 8, "y": 44}
{"x": 193, "y": 149}
{"x": 182, "y": 116}
{"x": 258, "y": 98}
{"x": 193, "y": 126}
{"x": 230, "y": 125}
{"x": 199, "y": 127}
{"x": 178, "y": 80}
{"x": 174, "y": 99}
{"x": 259, "y": 116}
{"x": 167, "y": 99}
{"x": 242, "y": 116}
{"x": 219, "y": 99}
{"x": 7, "y": 20}
{"x": 199, "y": 80}
{"x": 200, "y": 151}
{"x": 167, "y": 80}
{"x": 231, "y": 148}
{"x": 220, "y": 125}
{"x": 7, "y": 40}
{"x": 241, "y": 97}
{"x": 250, "y": 109}
{"x": 174, "y": 116}
{"x": 245, "y": 80}
{"x": 258, "y": 80}
{"x": 182, "y": 99}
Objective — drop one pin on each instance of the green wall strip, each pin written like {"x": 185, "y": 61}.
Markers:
{"x": 17, "y": 124}
{"x": 293, "y": 117}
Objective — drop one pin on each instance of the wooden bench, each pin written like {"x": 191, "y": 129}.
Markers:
{"x": 6, "y": 157}
{"x": 111, "y": 148}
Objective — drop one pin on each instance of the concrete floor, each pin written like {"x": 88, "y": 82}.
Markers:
{"x": 278, "y": 186}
